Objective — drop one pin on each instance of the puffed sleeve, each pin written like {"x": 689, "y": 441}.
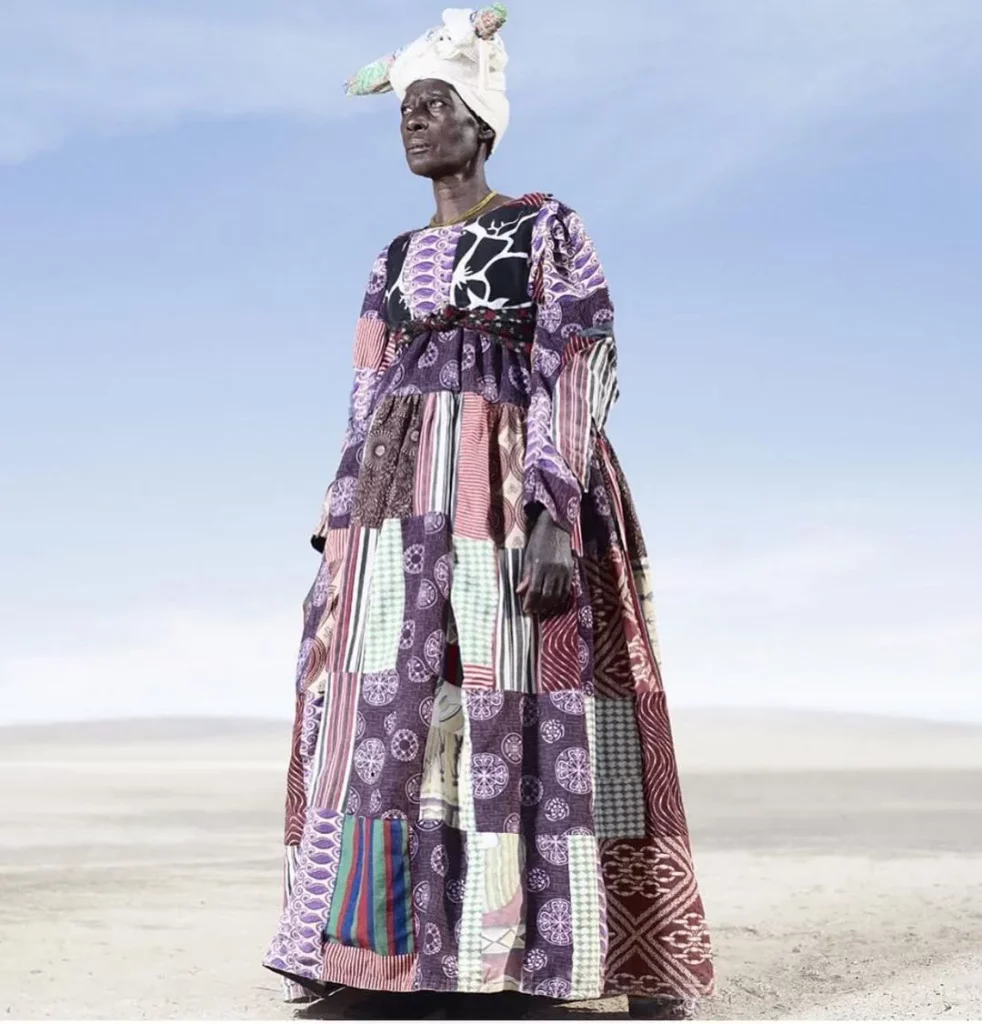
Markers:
{"x": 574, "y": 364}
{"x": 372, "y": 355}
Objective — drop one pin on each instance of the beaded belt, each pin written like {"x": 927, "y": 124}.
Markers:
{"x": 514, "y": 328}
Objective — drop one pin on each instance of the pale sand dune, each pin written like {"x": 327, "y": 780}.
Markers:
{"x": 840, "y": 859}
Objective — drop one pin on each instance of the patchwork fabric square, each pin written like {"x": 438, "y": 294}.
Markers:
{"x": 531, "y": 767}
{"x": 619, "y": 804}
{"x": 474, "y": 596}
{"x": 371, "y": 907}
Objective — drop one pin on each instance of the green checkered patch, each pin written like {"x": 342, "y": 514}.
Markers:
{"x": 386, "y": 601}
{"x": 474, "y": 597}
{"x": 470, "y": 954}
{"x": 587, "y": 976}
{"x": 618, "y": 798}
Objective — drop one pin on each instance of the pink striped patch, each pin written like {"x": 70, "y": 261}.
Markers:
{"x": 371, "y": 337}
{"x": 478, "y": 677}
{"x": 341, "y": 697}
{"x": 423, "y": 481}
{"x": 574, "y": 431}
{"x": 344, "y": 964}
{"x": 471, "y": 515}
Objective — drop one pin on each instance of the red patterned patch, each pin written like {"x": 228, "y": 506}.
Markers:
{"x": 611, "y": 657}
{"x": 296, "y": 799}
{"x": 559, "y": 664}
{"x": 663, "y": 795}
{"x": 659, "y": 943}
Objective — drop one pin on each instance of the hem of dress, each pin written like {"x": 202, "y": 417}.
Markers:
{"x": 362, "y": 969}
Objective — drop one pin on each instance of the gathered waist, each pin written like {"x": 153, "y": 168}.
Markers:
{"x": 514, "y": 328}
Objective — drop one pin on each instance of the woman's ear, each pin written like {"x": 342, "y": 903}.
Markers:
{"x": 487, "y": 135}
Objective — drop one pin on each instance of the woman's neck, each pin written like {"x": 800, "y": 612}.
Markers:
{"x": 457, "y": 194}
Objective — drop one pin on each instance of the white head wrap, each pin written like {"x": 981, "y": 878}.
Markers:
{"x": 465, "y": 52}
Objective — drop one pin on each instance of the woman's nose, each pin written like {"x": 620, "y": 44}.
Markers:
{"x": 415, "y": 122}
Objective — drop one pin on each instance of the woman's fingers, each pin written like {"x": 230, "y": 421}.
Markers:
{"x": 546, "y": 589}
{"x": 533, "y": 590}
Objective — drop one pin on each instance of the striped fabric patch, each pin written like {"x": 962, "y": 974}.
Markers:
{"x": 371, "y": 337}
{"x": 473, "y": 498}
{"x": 584, "y": 393}
{"x": 372, "y": 904}
{"x": 374, "y": 972}
{"x": 338, "y": 729}
{"x": 436, "y": 462}
{"x": 516, "y": 635}
{"x": 348, "y": 636}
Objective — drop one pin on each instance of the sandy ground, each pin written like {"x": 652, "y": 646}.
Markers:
{"x": 840, "y": 860}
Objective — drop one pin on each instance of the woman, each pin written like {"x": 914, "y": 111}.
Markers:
{"x": 482, "y": 794}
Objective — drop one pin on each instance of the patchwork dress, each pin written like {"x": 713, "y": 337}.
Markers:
{"x": 479, "y": 800}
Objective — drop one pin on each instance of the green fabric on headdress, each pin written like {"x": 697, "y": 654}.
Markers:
{"x": 373, "y": 78}
{"x": 488, "y": 20}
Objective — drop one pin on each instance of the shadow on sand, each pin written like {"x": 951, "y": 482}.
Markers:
{"x": 353, "y": 1004}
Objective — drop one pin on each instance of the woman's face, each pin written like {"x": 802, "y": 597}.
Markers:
{"x": 439, "y": 132}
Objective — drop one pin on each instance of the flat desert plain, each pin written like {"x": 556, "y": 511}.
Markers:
{"x": 840, "y": 860}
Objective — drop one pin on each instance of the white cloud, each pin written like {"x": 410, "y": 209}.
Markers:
{"x": 163, "y": 661}
{"x": 833, "y": 621}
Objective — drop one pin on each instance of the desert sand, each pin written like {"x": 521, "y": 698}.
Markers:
{"x": 840, "y": 859}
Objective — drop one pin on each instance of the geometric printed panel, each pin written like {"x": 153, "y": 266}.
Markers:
{"x": 620, "y": 800}
{"x": 549, "y": 923}
{"x": 507, "y": 516}
{"x": 659, "y": 944}
{"x": 441, "y": 876}
{"x": 530, "y": 768}
{"x": 612, "y": 660}
{"x": 390, "y": 743}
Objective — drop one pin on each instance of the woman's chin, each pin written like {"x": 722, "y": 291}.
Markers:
{"x": 426, "y": 166}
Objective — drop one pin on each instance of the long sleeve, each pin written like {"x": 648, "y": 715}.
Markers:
{"x": 574, "y": 364}
{"x": 372, "y": 355}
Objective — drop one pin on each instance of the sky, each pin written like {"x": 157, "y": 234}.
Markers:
{"x": 786, "y": 199}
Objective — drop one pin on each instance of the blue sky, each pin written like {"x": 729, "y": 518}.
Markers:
{"x": 786, "y": 199}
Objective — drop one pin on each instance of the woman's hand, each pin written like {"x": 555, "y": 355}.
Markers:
{"x": 548, "y": 573}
